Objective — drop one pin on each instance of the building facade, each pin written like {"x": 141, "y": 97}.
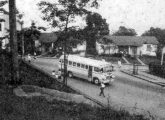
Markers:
{"x": 131, "y": 45}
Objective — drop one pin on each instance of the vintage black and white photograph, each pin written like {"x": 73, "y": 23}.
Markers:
{"x": 82, "y": 59}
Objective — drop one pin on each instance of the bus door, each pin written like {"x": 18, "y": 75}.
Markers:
{"x": 90, "y": 73}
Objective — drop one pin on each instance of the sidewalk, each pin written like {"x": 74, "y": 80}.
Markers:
{"x": 143, "y": 74}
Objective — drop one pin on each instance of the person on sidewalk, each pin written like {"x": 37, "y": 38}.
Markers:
{"x": 34, "y": 55}
{"x": 119, "y": 63}
{"x": 29, "y": 58}
{"x": 102, "y": 89}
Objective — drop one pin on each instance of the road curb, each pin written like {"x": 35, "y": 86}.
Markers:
{"x": 78, "y": 91}
{"x": 143, "y": 78}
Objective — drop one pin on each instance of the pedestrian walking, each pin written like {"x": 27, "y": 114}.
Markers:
{"x": 34, "y": 55}
{"x": 29, "y": 58}
{"x": 102, "y": 89}
{"x": 119, "y": 63}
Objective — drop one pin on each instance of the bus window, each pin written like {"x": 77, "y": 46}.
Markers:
{"x": 74, "y": 63}
{"x": 86, "y": 66}
{"x": 96, "y": 69}
{"x": 82, "y": 66}
{"x": 78, "y": 64}
{"x": 70, "y": 62}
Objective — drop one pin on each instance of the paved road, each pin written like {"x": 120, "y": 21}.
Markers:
{"x": 126, "y": 92}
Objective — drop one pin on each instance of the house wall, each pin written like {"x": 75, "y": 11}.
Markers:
{"x": 81, "y": 48}
{"x": 145, "y": 49}
{"x": 109, "y": 49}
{"x": 149, "y": 49}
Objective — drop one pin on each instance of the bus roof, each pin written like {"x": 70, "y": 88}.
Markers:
{"x": 87, "y": 61}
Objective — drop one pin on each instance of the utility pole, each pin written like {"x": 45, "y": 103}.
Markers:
{"x": 13, "y": 42}
{"x": 22, "y": 39}
{"x": 65, "y": 50}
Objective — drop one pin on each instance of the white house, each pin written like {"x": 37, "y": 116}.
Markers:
{"x": 132, "y": 45}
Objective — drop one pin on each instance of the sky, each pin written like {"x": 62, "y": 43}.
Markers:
{"x": 137, "y": 14}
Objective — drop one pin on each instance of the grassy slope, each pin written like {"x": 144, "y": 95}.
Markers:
{"x": 37, "y": 108}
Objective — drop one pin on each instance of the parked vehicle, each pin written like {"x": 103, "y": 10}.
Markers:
{"x": 95, "y": 71}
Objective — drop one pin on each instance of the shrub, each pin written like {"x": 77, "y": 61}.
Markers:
{"x": 157, "y": 69}
{"x": 117, "y": 55}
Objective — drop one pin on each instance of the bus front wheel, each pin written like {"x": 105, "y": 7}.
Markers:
{"x": 70, "y": 74}
{"x": 96, "y": 81}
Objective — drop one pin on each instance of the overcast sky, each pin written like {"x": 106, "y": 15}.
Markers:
{"x": 137, "y": 14}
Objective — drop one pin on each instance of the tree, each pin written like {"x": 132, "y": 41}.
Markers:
{"x": 159, "y": 34}
{"x": 30, "y": 34}
{"x": 63, "y": 12}
{"x": 96, "y": 27}
{"x": 13, "y": 42}
{"x": 123, "y": 31}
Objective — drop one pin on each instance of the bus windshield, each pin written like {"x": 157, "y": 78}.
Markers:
{"x": 107, "y": 69}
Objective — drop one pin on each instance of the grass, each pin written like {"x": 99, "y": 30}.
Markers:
{"x": 37, "y": 108}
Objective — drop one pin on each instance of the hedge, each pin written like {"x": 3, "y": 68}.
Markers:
{"x": 156, "y": 68}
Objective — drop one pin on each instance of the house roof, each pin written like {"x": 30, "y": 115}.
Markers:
{"x": 130, "y": 40}
{"x": 48, "y": 37}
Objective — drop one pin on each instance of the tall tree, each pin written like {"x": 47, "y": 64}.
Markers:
{"x": 123, "y": 31}
{"x": 96, "y": 27}
{"x": 13, "y": 41}
{"x": 30, "y": 34}
{"x": 63, "y": 12}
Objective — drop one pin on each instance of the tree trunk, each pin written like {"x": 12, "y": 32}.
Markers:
{"x": 13, "y": 42}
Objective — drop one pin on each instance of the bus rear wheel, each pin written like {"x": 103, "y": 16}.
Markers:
{"x": 70, "y": 74}
{"x": 96, "y": 81}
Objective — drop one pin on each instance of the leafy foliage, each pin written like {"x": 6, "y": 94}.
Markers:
{"x": 2, "y": 3}
{"x": 158, "y": 33}
{"x": 123, "y": 31}
{"x": 96, "y": 27}
{"x": 30, "y": 35}
{"x": 156, "y": 68}
{"x": 62, "y": 12}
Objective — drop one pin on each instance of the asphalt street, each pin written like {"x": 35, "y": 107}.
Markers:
{"x": 127, "y": 92}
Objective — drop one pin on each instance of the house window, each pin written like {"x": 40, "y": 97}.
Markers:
{"x": 149, "y": 48}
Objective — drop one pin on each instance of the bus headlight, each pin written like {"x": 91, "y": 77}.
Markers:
{"x": 112, "y": 76}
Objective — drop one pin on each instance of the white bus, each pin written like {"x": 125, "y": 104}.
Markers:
{"x": 95, "y": 71}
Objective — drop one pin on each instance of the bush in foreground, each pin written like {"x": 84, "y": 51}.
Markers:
{"x": 156, "y": 68}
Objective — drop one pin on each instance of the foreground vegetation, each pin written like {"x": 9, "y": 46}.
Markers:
{"x": 38, "y": 108}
